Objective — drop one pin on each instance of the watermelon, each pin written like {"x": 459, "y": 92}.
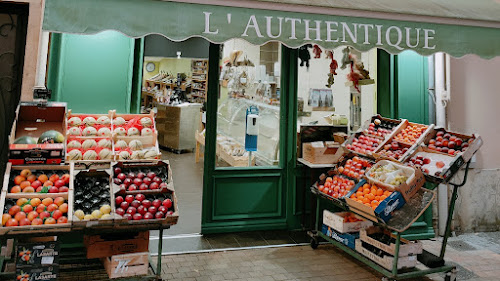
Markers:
{"x": 51, "y": 137}
{"x": 25, "y": 140}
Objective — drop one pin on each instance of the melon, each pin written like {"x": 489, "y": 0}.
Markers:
{"x": 51, "y": 137}
{"x": 25, "y": 140}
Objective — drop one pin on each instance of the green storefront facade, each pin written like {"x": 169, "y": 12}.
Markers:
{"x": 243, "y": 199}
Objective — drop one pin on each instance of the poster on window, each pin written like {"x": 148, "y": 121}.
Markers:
{"x": 321, "y": 100}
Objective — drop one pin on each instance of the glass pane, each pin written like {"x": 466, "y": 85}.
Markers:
{"x": 328, "y": 102}
{"x": 248, "y": 115}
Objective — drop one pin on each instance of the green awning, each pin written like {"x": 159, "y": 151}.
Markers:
{"x": 179, "y": 21}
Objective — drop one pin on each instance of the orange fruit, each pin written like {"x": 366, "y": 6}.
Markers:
{"x": 366, "y": 200}
{"x": 377, "y": 198}
{"x": 380, "y": 192}
{"x": 366, "y": 191}
{"x": 370, "y": 196}
{"x": 383, "y": 197}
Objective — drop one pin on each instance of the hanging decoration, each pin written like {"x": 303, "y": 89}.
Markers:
{"x": 333, "y": 68}
{"x": 358, "y": 71}
{"x": 317, "y": 51}
{"x": 304, "y": 55}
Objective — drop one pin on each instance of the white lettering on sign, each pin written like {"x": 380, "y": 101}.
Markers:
{"x": 398, "y": 37}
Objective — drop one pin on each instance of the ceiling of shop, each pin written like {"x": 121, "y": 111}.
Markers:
{"x": 484, "y": 10}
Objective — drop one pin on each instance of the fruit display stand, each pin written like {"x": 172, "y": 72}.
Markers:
{"x": 378, "y": 247}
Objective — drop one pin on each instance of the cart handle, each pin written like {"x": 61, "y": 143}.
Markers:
{"x": 465, "y": 176}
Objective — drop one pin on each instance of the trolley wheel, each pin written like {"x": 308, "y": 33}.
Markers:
{"x": 314, "y": 242}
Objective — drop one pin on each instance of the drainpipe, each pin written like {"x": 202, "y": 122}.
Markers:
{"x": 41, "y": 68}
{"x": 442, "y": 97}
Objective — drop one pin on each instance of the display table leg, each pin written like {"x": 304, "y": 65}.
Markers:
{"x": 160, "y": 248}
{"x": 396, "y": 255}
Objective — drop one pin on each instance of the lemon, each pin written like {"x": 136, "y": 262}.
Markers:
{"x": 79, "y": 214}
{"x": 96, "y": 214}
{"x": 105, "y": 209}
{"x": 106, "y": 217}
{"x": 88, "y": 217}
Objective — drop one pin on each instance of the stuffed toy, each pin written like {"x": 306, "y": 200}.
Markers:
{"x": 346, "y": 60}
{"x": 358, "y": 72}
{"x": 317, "y": 51}
{"x": 333, "y": 69}
{"x": 304, "y": 55}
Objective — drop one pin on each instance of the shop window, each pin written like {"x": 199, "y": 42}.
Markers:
{"x": 248, "y": 115}
{"x": 328, "y": 99}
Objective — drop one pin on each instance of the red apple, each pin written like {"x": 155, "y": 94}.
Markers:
{"x": 127, "y": 182}
{"x": 152, "y": 210}
{"x": 118, "y": 170}
{"x": 147, "y": 181}
{"x": 156, "y": 203}
{"x": 162, "y": 209}
{"x": 151, "y": 175}
{"x": 146, "y": 203}
{"x": 169, "y": 213}
{"x": 127, "y": 216}
{"x": 119, "y": 200}
{"x": 124, "y": 205}
{"x": 137, "y": 181}
{"x": 121, "y": 176}
{"x": 141, "y": 210}
{"x": 135, "y": 203}
{"x": 148, "y": 216}
{"x": 137, "y": 216}
{"x": 159, "y": 215}
{"x": 65, "y": 178}
{"x": 141, "y": 175}
{"x": 167, "y": 203}
{"x": 117, "y": 181}
{"x": 140, "y": 197}
{"x": 59, "y": 183}
{"x": 131, "y": 210}
{"x": 63, "y": 189}
{"x": 44, "y": 214}
{"x": 163, "y": 185}
{"x": 131, "y": 175}
{"x": 129, "y": 198}
{"x": 157, "y": 180}
{"x": 120, "y": 211}
{"x": 132, "y": 187}
{"x": 123, "y": 187}
{"x": 154, "y": 185}
{"x": 24, "y": 221}
{"x": 143, "y": 186}
{"x": 53, "y": 189}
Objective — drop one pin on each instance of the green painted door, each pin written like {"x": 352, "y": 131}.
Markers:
{"x": 403, "y": 93}
{"x": 93, "y": 73}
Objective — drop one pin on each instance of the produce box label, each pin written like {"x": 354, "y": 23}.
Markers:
{"x": 347, "y": 239}
{"x": 394, "y": 202}
{"x": 34, "y": 273}
{"x": 21, "y": 154}
{"x": 38, "y": 254}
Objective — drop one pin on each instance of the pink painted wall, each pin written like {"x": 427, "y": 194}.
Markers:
{"x": 475, "y": 104}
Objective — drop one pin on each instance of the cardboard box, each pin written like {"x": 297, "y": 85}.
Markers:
{"x": 452, "y": 164}
{"x": 336, "y": 221}
{"x": 33, "y": 120}
{"x": 102, "y": 246}
{"x": 386, "y": 261}
{"x": 319, "y": 152}
{"x": 383, "y": 212}
{"x": 42, "y": 273}
{"x": 406, "y": 247}
{"x": 37, "y": 254}
{"x": 347, "y": 239}
{"x": 127, "y": 265}
{"x": 415, "y": 179}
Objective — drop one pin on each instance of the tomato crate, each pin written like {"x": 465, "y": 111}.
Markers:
{"x": 34, "y": 180}
{"x": 353, "y": 166}
{"x": 362, "y": 144}
{"x": 46, "y": 214}
{"x": 94, "y": 204}
{"x": 32, "y": 122}
{"x": 338, "y": 222}
{"x": 373, "y": 126}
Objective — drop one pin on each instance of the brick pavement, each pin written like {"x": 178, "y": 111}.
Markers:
{"x": 283, "y": 263}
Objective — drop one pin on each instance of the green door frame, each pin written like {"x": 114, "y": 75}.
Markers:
{"x": 283, "y": 218}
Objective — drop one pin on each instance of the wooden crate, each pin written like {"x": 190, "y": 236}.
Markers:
{"x": 386, "y": 261}
{"x": 44, "y": 228}
{"x": 107, "y": 245}
{"x": 11, "y": 171}
{"x": 319, "y": 152}
{"x": 407, "y": 248}
{"x": 127, "y": 265}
